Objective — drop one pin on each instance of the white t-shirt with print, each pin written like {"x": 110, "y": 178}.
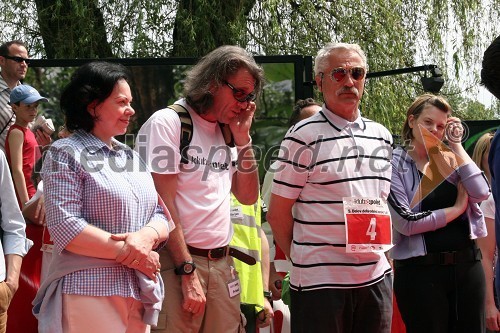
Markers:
{"x": 203, "y": 184}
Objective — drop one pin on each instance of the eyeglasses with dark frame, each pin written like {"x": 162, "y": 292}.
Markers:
{"x": 338, "y": 74}
{"x": 240, "y": 95}
{"x": 18, "y": 59}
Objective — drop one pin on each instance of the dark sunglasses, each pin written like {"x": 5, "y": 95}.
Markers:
{"x": 18, "y": 59}
{"x": 338, "y": 74}
{"x": 240, "y": 95}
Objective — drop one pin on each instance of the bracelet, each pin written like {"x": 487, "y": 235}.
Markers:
{"x": 157, "y": 233}
{"x": 244, "y": 146}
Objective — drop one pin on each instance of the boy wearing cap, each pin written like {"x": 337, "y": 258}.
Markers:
{"x": 21, "y": 145}
{"x": 21, "y": 149}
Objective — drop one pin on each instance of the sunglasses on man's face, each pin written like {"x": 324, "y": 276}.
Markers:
{"x": 338, "y": 74}
{"x": 240, "y": 95}
{"x": 18, "y": 59}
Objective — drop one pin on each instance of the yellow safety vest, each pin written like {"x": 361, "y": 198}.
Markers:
{"x": 247, "y": 224}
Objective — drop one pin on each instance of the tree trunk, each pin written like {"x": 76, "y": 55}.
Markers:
{"x": 153, "y": 90}
{"x": 72, "y": 29}
{"x": 203, "y": 25}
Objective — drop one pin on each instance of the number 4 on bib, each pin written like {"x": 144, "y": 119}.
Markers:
{"x": 368, "y": 225}
{"x": 372, "y": 229}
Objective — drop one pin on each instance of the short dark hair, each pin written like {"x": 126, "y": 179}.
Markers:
{"x": 4, "y": 48}
{"x": 296, "y": 115}
{"x": 490, "y": 73}
{"x": 92, "y": 82}
{"x": 213, "y": 69}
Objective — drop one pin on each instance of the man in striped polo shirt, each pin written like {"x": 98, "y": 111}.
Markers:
{"x": 327, "y": 162}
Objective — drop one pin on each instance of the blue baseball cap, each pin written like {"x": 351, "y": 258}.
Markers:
{"x": 26, "y": 94}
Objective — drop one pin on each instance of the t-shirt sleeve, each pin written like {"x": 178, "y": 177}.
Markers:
{"x": 158, "y": 142}
{"x": 488, "y": 207}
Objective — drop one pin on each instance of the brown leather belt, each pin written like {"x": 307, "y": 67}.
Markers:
{"x": 221, "y": 252}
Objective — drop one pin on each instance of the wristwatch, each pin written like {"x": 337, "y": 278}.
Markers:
{"x": 186, "y": 268}
{"x": 269, "y": 296}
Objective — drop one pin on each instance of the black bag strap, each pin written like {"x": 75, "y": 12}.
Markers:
{"x": 186, "y": 130}
{"x": 226, "y": 133}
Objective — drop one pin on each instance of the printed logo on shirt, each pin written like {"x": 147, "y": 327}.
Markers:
{"x": 214, "y": 165}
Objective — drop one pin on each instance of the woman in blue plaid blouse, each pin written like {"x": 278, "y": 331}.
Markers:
{"x": 103, "y": 214}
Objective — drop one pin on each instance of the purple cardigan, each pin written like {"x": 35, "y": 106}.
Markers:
{"x": 410, "y": 224}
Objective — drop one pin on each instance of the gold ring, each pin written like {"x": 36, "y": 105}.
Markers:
{"x": 135, "y": 262}
{"x": 158, "y": 269}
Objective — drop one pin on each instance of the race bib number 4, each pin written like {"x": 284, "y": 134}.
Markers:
{"x": 368, "y": 225}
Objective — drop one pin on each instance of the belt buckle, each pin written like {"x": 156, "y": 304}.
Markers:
{"x": 216, "y": 254}
{"x": 447, "y": 258}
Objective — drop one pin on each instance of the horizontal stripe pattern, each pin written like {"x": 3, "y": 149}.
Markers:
{"x": 323, "y": 159}
{"x": 338, "y": 285}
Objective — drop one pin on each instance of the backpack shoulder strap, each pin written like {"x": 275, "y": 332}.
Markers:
{"x": 186, "y": 130}
{"x": 226, "y": 133}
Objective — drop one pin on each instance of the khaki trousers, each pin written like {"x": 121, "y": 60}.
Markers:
{"x": 222, "y": 313}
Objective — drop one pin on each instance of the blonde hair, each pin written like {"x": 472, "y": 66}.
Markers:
{"x": 482, "y": 146}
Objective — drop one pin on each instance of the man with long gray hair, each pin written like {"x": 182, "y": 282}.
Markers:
{"x": 202, "y": 286}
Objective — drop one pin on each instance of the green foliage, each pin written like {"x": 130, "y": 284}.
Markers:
{"x": 394, "y": 34}
{"x": 468, "y": 109}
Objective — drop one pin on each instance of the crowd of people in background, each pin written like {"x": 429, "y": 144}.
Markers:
{"x": 175, "y": 234}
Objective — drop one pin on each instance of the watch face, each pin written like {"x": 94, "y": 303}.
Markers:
{"x": 188, "y": 268}
{"x": 185, "y": 268}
